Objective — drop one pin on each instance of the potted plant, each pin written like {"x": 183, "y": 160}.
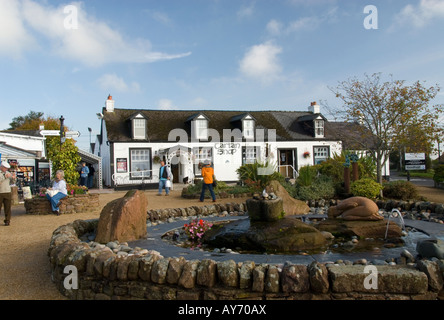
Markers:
{"x": 156, "y": 159}
{"x": 306, "y": 154}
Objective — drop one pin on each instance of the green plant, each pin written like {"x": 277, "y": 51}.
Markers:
{"x": 322, "y": 187}
{"x": 402, "y": 190}
{"x": 258, "y": 175}
{"x": 196, "y": 229}
{"x": 366, "y": 187}
{"x": 438, "y": 177}
{"x": 307, "y": 175}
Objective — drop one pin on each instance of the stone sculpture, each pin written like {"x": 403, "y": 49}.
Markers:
{"x": 356, "y": 208}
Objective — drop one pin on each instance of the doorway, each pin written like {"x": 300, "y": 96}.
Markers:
{"x": 287, "y": 162}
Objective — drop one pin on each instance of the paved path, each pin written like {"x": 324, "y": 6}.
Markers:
{"x": 425, "y": 182}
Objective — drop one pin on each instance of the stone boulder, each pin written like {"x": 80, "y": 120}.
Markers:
{"x": 362, "y": 229}
{"x": 287, "y": 235}
{"x": 292, "y": 206}
{"x": 265, "y": 210}
{"x": 123, "y": 219}
{"x": 430, "y": 248}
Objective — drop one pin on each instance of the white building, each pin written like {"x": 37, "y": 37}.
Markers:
{"x": 133, "y": 141}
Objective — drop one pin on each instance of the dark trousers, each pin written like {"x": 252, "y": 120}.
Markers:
{"x": 204, "y": 187}
{"x": 6, "y": 201}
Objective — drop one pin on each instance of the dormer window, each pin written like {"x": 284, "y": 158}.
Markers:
{"x": 319, "y": 128}
{"x": 199, "y": 126}
{"x": 201, "y": 129}
{"x": 138, "y": 126}
{"x": 248, "y": 128}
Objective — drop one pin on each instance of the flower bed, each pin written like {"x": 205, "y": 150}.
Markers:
{"x": 72, "y": 204}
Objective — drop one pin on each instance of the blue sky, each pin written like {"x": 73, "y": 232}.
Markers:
{"x": 64, "y": 58}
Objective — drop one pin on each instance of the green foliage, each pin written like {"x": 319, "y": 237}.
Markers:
{"x": 322, "y": 187}
{"x": 402, "y": 190}
{"x": 334, "y": 167}
{"x": 438, "y": 177}
{"x": 366, "y": 187}
{"x": 307, "y": 174}
{"x": 258, "y": 175}
{"x": 64, "y": 157}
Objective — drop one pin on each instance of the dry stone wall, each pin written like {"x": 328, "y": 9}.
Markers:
{"x": 71, "y": 204}
{"x": 146, "y": 274}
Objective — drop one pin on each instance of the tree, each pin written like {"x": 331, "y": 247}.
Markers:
{"x": 24, "y": 122}
{"x": 390, "y": 113}
{"x": 63, "y": 156}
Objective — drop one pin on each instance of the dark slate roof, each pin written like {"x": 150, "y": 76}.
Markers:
{"x": 31, "y": 133}
{"x": 160, "y": 122}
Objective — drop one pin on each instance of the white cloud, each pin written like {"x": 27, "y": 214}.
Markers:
{"x": 112, "y": 82}
{"x": 261, "y": 61}
{"x": 14, "y": 38}
{"x": 422, "y": 14}
{"x": 245, "y": 11}
{"x": 165, "y": 104}
{"x": 93, "y": 43}
{"x": 274, "y": 27}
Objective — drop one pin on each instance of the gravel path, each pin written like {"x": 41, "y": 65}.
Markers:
{"x": 24, "y": 264}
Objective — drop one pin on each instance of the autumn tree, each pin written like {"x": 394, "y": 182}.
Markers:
{"x": 62, "y": 156}
{"x": 391, "y": 115}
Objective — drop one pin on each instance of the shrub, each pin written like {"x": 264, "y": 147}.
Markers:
{"x": 250, "y": 174}
{"x": 366, "y": 188}
{"x": 438, "y": 177}
{"x": 322, "y": 187}
{"x": 307, "y": 174}
{"x": 402, "y": 190}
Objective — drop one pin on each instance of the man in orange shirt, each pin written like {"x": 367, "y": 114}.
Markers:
{"x": 207, "y": 175}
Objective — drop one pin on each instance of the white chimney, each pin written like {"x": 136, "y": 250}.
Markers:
{"x": 109, "y": 104}
{"x": 314, "y": 107}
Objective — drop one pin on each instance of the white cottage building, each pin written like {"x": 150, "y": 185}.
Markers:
{"x": 133, "y": 141}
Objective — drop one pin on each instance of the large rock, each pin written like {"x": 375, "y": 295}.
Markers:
{"x": 123, "y": 219}
{"x": 292, "y": 206}
{"x": 265, "y": 210}
{"x": 362, "y": 229}
{"x": 287, "y": 235}
{"x": 430, "y": 248}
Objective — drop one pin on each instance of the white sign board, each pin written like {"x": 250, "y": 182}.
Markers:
{"x": 415, "y": 161}
{"x": 50, "y": 132}
{"x": 72, "y": 134}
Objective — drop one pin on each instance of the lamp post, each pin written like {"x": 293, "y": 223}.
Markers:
{"x": 62, "y": 131}
{"x": 90, "y": 130}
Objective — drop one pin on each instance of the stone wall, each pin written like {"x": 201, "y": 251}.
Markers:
{"x": 71, "y": 204}
{"x": 143, "y": 274}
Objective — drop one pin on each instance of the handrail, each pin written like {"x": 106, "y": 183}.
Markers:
{"x": 287, "y": 167}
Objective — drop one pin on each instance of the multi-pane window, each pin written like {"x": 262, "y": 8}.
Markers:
{"x": 140, "y": 163}
{"x": 139, "y": 128}
{"x": 201, "y": 155}
{"x": 248, "y": 126}
{"x": 249, "y": 154}
{"x": 201, "y": 129}
{"x": 321, "y": 154}
{"x": 319, "y": 128}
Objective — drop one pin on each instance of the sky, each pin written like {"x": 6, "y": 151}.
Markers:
{"x": 65, "y": 58}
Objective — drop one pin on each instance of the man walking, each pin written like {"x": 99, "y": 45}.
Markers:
{"x": 6, "y": 178}
{"x": 164, "y": 178}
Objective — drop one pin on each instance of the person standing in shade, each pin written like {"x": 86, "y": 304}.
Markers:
{"x": 84, "y": 172}
{"x": 6, "y": 178}
{"x": 164, "y": 176}
{"x": 207, "y": 175}
{"x": 91, "y": 176}
{"x": 60, "y": 191}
